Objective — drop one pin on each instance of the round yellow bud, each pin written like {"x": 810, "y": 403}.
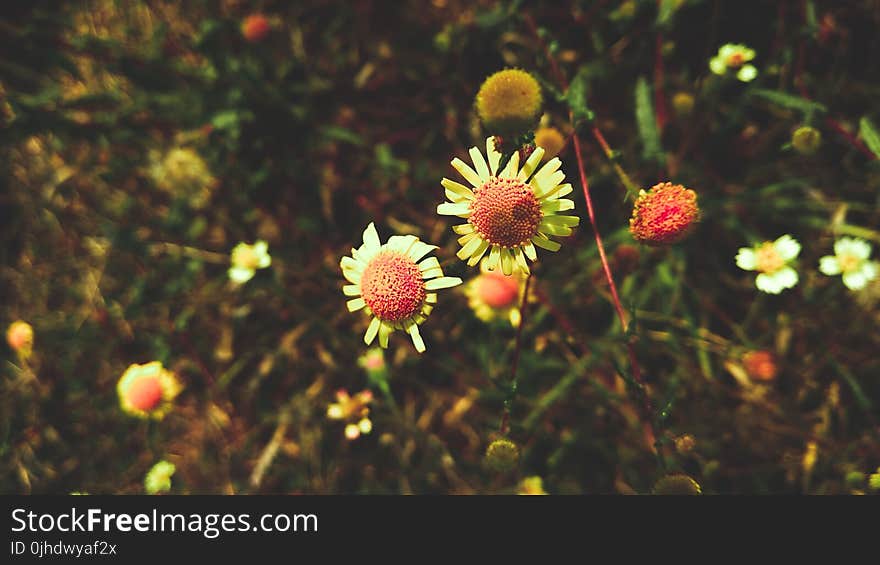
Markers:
{"x": 550, "y": 140}
{"x": 806, "y": 140}
{"x": 509, "y": 102}
{"x": 677, "y": 485}
{"x": 502, "y": 455}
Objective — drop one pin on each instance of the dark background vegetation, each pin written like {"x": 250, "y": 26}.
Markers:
{"x": 349, "y": 112}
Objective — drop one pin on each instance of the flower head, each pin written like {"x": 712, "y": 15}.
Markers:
{"x": 532, "y": 486}
{"x": 352, "y": 409}
{"x": 492, "y": 295}
{"x": 677, "y": 484}
{"x": 509, "y": 102}
{"x": 771, "y": 259}
{"x": 508, "y": 212}
{"x": 147, "y": 391}
{"x": 550, "y": 140}
{"x": 373, "y": 361}
{"x": 20, "y": 337}
{"x": 502, "y": 455}
{"x": 393, "y": 285}
{"x": 158, "y": 479}
{"x": 255, "y": 27}
{"x": 182, "y": 171}
{"x": 664, "y": 214}
{"x": 760, "y": 365}
{"x": 851, "y": 260}
{"x": 246, "y": 259}
{"x": 734, "y": 57}
{"x": 806, "y": 140}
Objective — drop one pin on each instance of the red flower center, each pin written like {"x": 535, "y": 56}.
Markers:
{"x": 505, "y": 212}
{"x": 664, "y": 214}
{"x": 145, "y": 393}
{"x": 392, "y": 286}
{"x": 497, "y": 290}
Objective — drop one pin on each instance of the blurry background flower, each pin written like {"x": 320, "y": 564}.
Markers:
{"x": 354, "y": 410}
{"x": 533, "y": 485}
{"x": 246, "y": 259}
{"x": 734, "y": 57}
{"x": 850, "y": 259}
{"x": 158, "y": 478}
{"x": 148, "y": 390}
{"x": 182, "y": 172}
{"x": 492, "y": 295}
{"x": 771, "y": 259}
{"x": 550, "y": 140}
{"x": 760, "y": 365}
{"x": 20, "y": 337}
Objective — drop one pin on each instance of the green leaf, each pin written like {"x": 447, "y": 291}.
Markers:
{"x": 789, "y": 100}
{"x": 577, "y": 95}
{"x": 666, "y": 10}
{"x": 870, "y": 135}
{"x": 337, "y": 133}
{"x": 647, "y": 123}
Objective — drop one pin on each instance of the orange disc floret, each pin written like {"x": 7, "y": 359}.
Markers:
{"x": 255, "y": 27}
{"x": 665, "y": 214}
{"x": 392, "y": 286}
{"x": 509, "y": 102}
{"x": 497, "y": 290}
{"x": 146, "y": 391}
{"x": 760, "y": 365}
{"x": 505, "y": 212}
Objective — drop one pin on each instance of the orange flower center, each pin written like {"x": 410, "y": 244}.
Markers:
{"x": 848, "y": 262}
{"x": 505, "y": 212}
{"x": 246, "y": 258}
{"x": 768, "y": 259}
{"x": 735, "y": 60}
{"x": 392, "y": 286}
{"x": 497, "y": 290}
{"x": 145, "y": 393}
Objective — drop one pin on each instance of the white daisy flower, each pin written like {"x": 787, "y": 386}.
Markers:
{"x": 771, "y": 259}
{"x": 508, "y": 212}
{"x": 391, "y": 283}
{"x": 851, "y": 260}
{"x": 246, "y": 259}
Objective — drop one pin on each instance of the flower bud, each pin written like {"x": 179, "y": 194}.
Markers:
{"x": 677, "y": 484}
{"x": 255, "y": 27}
{"x": 502, "y": 455}
{"x": 664, "y": 214}
{"x": 806, "y": 140}
{"x": 509, "y": 102}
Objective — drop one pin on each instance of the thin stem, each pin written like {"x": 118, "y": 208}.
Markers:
{"x": 514, "y": 363}
{"x": 645, "y": 405}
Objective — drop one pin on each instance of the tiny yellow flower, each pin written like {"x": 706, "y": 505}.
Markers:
{"x": 158, "y": 479}
{"x": 182, "y": 171}
{"x": 734, "y": 57}
{"x": 851, "y": 260}
{"x": 246, "y": 259}
{"x": 147, "y": 391}
{"x": 771, "y": 259}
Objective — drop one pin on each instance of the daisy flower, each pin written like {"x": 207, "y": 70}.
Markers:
{"x": 391, "y": 284}
{"x": 492, "y": 295}
{"x": 771, "y": 260}
{"x": 508, "y": 212}
{"x": 246, "y": 259}
{"x": 850, "y": 259}
{"x": 146, "y": 391}
{"x": 734, "y": 57}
